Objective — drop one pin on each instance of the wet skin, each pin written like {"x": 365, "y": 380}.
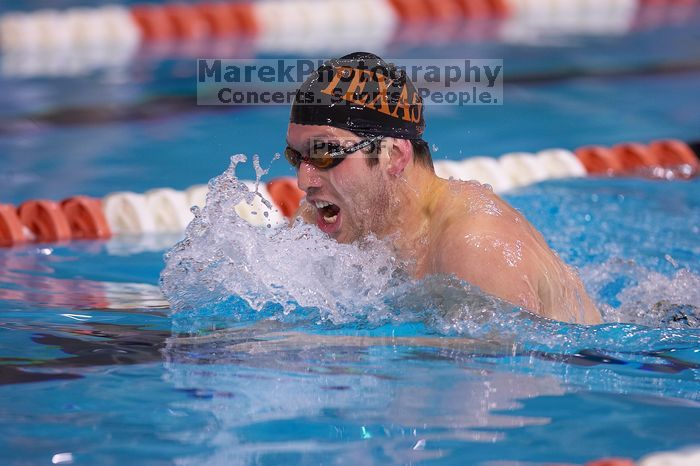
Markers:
{"x": 438, "y": 226}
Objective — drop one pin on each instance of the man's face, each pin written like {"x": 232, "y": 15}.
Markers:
{"x": 349, "y": 200}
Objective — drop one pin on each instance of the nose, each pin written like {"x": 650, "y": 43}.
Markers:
{"x": 308, "y": 177}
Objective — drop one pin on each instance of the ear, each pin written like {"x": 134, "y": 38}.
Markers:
{"x": 400, "y": 155}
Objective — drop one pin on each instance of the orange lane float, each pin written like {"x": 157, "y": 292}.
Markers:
{"x": 221, "y": 19}
{"x": 598, "y": 160}
{"x": 656, "y": 13}
{"x": 628, "y": 158}
{"x": 442, "y": 21}
{"x": 611, "y": 462}
{"x": 154, "y": 22}
{"x": 500, "y": 8}
{"x": 45, "y": 219}
{"x": 246, "y": 17}
{"x": 633, "y": 156}
{"x": 191, "y": 22}
{"x": 78, "y": 217}
{"x": 671, "y": 153}
{"x": 442, "y": 10}
{"x": 86, "y": 218}
{"x": 410, "y": 11}
{"x": 11, "y": 230}
{"x": 286, "y": 195}
{"x": 187, "y": 21}
{"x": 474, "y": 9}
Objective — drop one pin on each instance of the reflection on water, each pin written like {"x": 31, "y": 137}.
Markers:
{"x": 308, "y": 395}
{"x": 268, "y": 392}
{"x": 87, "y": 346}
{"x": 29, "y": 277}
{"x": 274, "y": 392}
{"x": 54, "y": 327}
{"x": 442, "y": 373}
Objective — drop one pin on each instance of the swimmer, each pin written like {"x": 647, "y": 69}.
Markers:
{"x": 355, "y": 139}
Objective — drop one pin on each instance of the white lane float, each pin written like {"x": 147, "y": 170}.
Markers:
{"x": 304, "y": 26}
{"x": 561, "y": 163}
{"x": 169, "y": 209}
{"x": 67, "y": 43}
{"x": 522, "y": 168}
{"x": 258, "y": 213}
{"x": 19, "y": 31}
{"x": 535, "y": 20}
{"x": 128, "y": 213}
{"x": 197, "y": 195}
{"x": 53, "y": 33}
{"x": 120, "y": 26}
{"x": 487, "y": 170}
{"x": 450, "y": 169}
{"x": 685, "y": 457}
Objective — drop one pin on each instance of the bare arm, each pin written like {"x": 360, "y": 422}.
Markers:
{"x": 510, "y": 259}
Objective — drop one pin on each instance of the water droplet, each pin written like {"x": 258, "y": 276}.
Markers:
{"x": 671, "y": 260}
{"x": 62, "y": 458}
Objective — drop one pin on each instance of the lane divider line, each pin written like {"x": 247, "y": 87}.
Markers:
{"x": 77, "y": 27}
{"x": 166, "y": 210}
{"x": 78, "y": 41}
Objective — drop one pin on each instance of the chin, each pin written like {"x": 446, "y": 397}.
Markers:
{"x": 341, "y": 237}
{"x": 344, "y": 236}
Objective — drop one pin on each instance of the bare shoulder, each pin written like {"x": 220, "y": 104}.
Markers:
{"x": 474, "y": 219}
{"x": 485, "y": 241}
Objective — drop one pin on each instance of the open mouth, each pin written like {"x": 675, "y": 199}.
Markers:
{"x": 329, "y": 211}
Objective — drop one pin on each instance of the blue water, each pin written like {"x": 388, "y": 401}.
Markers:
{"x": 92, "y": 362}
{"x": 84, "y": 334}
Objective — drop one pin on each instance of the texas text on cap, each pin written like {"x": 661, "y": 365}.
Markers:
{"x": 361, "y": 93}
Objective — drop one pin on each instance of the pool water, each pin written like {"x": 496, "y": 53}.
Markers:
{"x": 91, "y": 365}
{"x": 97, "y": 368}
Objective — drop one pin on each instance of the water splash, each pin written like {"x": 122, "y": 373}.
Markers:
{"x": 629, "y": 292}
{"x": 227, "y": 271}
{"x": 224, "y": 261}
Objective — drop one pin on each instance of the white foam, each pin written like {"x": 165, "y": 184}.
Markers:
{"x": 223, "y": 255}
{"x": 647, "y": 297}
{"x": 302, "y": 272}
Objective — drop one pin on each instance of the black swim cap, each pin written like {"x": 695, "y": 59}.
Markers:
{"x": 361, "y": 93}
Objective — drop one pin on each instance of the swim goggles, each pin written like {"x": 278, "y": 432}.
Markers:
{"x": 327, "y": 155}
